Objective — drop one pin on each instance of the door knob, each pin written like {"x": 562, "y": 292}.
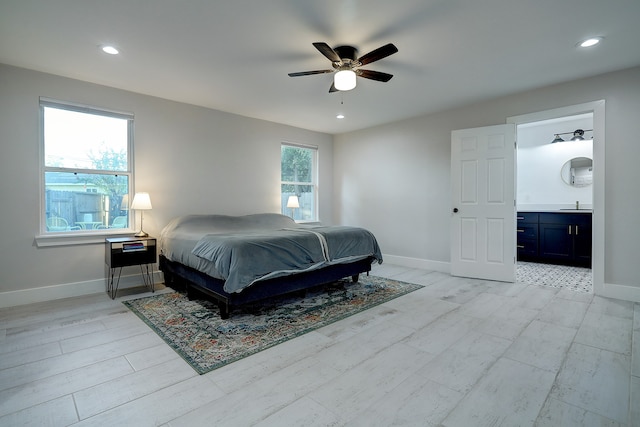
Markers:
{"x": 455, "y": 210}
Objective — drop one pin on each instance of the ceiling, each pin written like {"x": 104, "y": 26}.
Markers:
{"x": 234, "y": 56}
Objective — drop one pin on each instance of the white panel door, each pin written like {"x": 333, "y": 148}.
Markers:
{"x": 483, "y": 232}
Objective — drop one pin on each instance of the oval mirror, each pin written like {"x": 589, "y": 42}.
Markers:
{"x": 578, "y": 172}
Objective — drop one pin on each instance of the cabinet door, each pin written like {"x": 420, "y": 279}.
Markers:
{"x": 527, "y": 235}
{"x": 527, "y": 218}
{"x": 555, "y": 241}
{"x": 527, "y": 249}
{"x": 582, "y": 245}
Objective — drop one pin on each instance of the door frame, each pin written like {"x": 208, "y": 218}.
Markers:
{"x": 598, "y": 225}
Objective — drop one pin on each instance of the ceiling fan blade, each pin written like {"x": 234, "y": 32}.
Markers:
{"x": 374, "y": 75}
{"x": 333, "y": 88}
{"x": 308, "y": 73}
{"x": 326, "y": 50}
{"x": 379, "y": 53}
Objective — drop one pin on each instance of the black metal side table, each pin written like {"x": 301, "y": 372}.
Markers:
{"x": 126, "y": 251}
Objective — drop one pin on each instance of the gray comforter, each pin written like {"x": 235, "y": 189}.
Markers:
{"x": 270, "y": 246}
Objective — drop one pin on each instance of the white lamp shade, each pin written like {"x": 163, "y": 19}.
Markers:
{"x": 141, "y": 201}
{"x": 293, "y": 202}
{"x": 345, "y": 80}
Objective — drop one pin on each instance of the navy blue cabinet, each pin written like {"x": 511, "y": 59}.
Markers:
{"x": 562, "y": 238}
{"x": 527, "y": 236}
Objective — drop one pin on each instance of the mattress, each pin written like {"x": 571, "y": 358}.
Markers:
{"x": 246, "y": 249}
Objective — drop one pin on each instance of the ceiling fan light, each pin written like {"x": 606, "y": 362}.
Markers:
{"x": 344, "y": 80}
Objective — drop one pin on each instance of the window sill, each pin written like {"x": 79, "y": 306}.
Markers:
{"x": 75, "y": 239}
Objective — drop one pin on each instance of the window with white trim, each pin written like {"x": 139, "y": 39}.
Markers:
{"x": 299, "y": 188}
{"x": 86, "y": 168}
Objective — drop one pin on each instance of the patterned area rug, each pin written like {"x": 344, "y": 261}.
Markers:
{"x": 577, "y": 279}
{"x": 196, "y": 332}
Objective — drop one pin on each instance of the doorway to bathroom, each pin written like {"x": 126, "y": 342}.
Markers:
{"x": 555, "y": 181}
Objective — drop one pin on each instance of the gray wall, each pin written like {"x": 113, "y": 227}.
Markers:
{"x": 395, "y": 178}
{"x": 190, "y": 159}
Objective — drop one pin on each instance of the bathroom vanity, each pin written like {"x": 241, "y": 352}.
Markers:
{"x": 556, "y": 237}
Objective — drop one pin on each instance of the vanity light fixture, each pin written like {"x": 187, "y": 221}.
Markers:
{"x": 578, "y": 135}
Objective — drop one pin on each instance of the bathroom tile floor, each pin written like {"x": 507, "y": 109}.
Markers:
{"x": 578, "y": 279}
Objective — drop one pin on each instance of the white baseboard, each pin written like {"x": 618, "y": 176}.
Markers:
{"x": 609, "y": 290}
{"x": 426, "y": 264}
{"x": 622, "y": 292}
{"x": 69, "y": 290}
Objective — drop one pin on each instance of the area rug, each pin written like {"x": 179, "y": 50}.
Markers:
{"x": 196, "y": 332}
{"x": 577, "y": 279}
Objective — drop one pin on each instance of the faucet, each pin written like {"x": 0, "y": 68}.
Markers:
{"x": 577, "y": 205}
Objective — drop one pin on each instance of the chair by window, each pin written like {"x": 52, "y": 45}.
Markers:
{"x": 119, "y": 222}
{"x": 56, "y": 223}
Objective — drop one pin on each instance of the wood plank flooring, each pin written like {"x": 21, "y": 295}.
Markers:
{"x": 459, "y": 352}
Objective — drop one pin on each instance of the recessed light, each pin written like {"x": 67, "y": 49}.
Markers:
{"x": 590, "y": 42}
{"x": 340, "y": 116}
{"x": 110, "y": 50}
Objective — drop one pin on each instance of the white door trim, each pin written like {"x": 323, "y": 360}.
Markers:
{"x": 598, "y": 226}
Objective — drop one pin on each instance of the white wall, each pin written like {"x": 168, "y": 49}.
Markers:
{"x": 539, "y": 182}
{"x": 190, "y": 159}
{"x": 399, "y": 172}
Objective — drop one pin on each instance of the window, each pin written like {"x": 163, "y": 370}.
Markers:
{"x": 86, "y": 159}
{"x": 299, "y": 178}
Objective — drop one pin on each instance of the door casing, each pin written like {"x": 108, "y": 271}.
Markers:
{"x": 598, "y": 224}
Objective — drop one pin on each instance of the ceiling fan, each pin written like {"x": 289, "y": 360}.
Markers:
{"x": 346, "y": 65}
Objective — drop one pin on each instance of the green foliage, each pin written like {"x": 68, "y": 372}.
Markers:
{"x": 296, "y": 166}
{"x": 109, "y": 159}
{"x": 111, "y": 184}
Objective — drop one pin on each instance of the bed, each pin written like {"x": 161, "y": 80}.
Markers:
{"x": 239, "y": 260}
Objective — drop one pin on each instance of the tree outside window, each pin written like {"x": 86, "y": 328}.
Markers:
{"x": 298, "y": 178}
{"x": 87, "y": 168}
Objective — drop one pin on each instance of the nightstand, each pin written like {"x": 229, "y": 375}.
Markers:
{"x": 126, "y": 251}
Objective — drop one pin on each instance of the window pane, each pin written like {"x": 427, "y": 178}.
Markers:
{"x": 85, "y": 201}
{"x": 84, "y": 141}
{"x": 296, "y": 164}
{"x": 306, "y": 199}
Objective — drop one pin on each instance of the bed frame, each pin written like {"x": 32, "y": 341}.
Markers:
{"x": 177, "y": 275}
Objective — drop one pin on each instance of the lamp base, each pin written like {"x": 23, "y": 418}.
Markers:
{"x": 141, "y": 234}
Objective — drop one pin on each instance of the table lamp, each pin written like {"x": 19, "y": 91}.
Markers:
{"x": 141, "y": 202}
{"x": 293, "y": 203}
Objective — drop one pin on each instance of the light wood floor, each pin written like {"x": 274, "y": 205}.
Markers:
{"x": 458, "y": 352}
